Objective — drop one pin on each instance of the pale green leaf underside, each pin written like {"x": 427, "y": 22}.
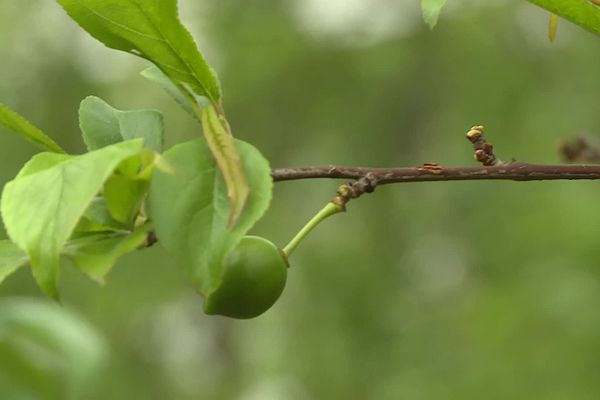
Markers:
{"x": 190, "y": 209}
{"x": 150, "y": 29}
{"x": 11, "y": 258}
{"x": 95, "y": 255}
{"x": 41, "y": 209}
{"x": 103, "y": 125}
{"x": 580, "y": 12}
{"x": 431, "y": 11}
{"x": 19, "y": 125}
{"x": 222, "y": 146}
{"x": 155, "y": 75}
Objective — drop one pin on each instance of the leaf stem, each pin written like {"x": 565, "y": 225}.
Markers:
{"x": 327, "y": 211}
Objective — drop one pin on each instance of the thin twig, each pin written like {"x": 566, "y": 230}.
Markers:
{"x": 516, "y": 171}
{"x": 493, "y": 169}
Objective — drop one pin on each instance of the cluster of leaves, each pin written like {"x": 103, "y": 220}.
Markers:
{"x": 199, "y": 197}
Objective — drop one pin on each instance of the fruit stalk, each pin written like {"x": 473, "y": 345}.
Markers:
{"x": 327, "y": 211}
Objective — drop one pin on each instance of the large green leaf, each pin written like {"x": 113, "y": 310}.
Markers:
{"x": 581, "y": 12}
{"x": 150, "y": 29}
{"x": 221, "y": 144}
{"x": 11, "y": 258}
{"x": 431, "y": 11}
{"x": 21, "y": 126}
{"x": 103, "y": 125}
{"x": 47, "y": 352}
{"x": 190, "y": 210}
{"x": 96, "y": 254}
{"x": 41, "y": 209}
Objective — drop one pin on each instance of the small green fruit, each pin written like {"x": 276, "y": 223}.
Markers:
{"x": 254, "y": 276}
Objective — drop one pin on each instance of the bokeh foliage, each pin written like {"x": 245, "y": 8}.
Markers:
{"x": 435, "y": 290}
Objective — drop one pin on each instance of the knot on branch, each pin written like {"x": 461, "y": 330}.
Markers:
{"x": 355, "y": 189}
{"x": 484, "y": 151}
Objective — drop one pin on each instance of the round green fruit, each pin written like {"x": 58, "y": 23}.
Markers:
{"x": 254, "y": 276}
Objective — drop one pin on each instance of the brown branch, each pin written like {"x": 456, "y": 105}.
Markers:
{"x": 493, "y": 169}
{"x": 515, "y": 171}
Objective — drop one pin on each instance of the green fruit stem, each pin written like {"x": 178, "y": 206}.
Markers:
{"x": 327, "y": 211}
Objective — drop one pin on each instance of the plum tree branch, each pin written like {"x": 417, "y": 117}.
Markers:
{"x": 492, "y": 169}
{"x": 515, "y": 171}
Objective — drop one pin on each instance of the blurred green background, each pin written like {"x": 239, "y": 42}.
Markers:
{"x": 462, "y": 290}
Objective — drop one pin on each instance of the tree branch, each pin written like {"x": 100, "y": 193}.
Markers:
{"x": 515, "y": 171}
{"x": 493, "y": 169}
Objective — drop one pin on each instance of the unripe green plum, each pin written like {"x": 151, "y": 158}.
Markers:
{"x": 254, "y": 276}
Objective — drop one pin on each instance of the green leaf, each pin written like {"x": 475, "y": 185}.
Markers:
{"x": 21, "y": 126}
{"x": 103, "y": 125}
{"x": 191, "y": 210}
{"x": 95, "y": 255}
{"x": 41, "y": 209}
{"x": 47, "y": 351}
{"x": 40, "y": 162}
{"x": 97, "y": 218}
{"x": 150, "y": 29}
{"x": 221, "y": 144}
{"x": 431, "y": 11}
{"x": 125, "y": 193}
{"x": 581, "y": 12}
{"x": 155, "y": 75}
{"x": 11, "y": 258}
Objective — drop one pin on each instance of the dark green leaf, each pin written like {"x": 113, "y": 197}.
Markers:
{"x": 191, "y": 209}
{"x": 41, "y": 209}
{"x": 150, "y": 29}
{"x": 581, "y": 12}
{"x": 21, "y": 126}
{"x": 103, "y": 125}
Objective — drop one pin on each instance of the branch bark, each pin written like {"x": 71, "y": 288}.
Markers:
{"x": 493, "y": 169}
{"x": 515, "y": 171}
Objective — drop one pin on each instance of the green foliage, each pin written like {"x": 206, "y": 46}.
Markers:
{"x": 95, "y": 254}
{"x": 46, "y": 352}
{"x": 152, "y": 30}
{"x": 103, "y": 125}
{"x": 431, "y": 11}
{"x": 42, "y": 207}
{"x": 11, "y": 258}
{"x": 21, "y": 126}
{"x": 190, "y": 210}
{"x": 581, "y": 12}
{"x": 449, "y": 284}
